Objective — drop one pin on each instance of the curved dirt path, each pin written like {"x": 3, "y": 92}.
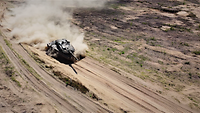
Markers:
{"x": 129, "y": 94}
{"x": 118, "y": 92}
{"x": 122, "y": 92}
{"x": 38, "y": 85}
{"x": 114, "y": 89}
{"x": 66, "y": 99}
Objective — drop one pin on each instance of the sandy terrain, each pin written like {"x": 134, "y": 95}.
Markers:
{"x": 59, "y": 98}
{"x": 99, "y": 86}
{"x": 155, "y": 40}
{"x": 113, "y": 89}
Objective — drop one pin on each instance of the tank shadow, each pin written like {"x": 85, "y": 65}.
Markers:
{"x": 70, "y": 62}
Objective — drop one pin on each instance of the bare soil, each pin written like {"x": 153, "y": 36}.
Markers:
{"x": 147, "y": 60}
{"x": 156, "y": 40}
{"x": 58, "y": 97}
{"x": 16, "y": 94}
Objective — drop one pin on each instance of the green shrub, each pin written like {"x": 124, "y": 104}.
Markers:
{"x": 196, "y": 52}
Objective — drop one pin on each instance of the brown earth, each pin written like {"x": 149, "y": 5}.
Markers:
{"x": 153, "y": 40}
{"x": 156, "y": 40}
{"x": 18, "y": 96}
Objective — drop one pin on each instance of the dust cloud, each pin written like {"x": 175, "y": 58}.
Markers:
{"x": 38, "y": 22}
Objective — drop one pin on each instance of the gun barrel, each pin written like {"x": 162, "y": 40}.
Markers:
{"x": 74, "y": 56}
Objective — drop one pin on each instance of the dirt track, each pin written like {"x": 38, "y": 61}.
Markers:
{"x": 113, "y": 88}
{"x": 115, "y": 91}
{"x": 52, "y": 89}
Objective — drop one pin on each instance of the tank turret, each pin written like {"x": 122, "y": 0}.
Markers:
{"x": 61, "y": 48}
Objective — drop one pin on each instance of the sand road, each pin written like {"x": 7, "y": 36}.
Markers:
{"x": 116, "y": 91}
{"x": 75, "y": 101}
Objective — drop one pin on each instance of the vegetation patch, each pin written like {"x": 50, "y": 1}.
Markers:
{"x": 6, "y": 65}
{"x": 184, "y": 44}
{"x": 116, "y": 70}
{"x": 17, "y": 82}
{"x": 70, "y": 82}
{"x": 196, "y": 52}
{"x": 36, "y": 58}
{"x": 27, "y": 66}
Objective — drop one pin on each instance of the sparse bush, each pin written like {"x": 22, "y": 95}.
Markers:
{"x": 113, "y": 49}
{"x": 164, "y": 53}
{"x": 192, "y": 99}
{"x": 192, "y": 15}
{"x": 115, "y": 6}
{"x": 172, "y": 28}
{"x": 14, "y": 80}
{"x": 196, "y": 52}
{"x": 153, "y": 38}
{"x": 159, "y": 91}
{"x": 184, "y": 44}
{"x": 190, "y": 75}
{"x": 67, "y": 83}
{"x": 160, "y": 62}
{"x": 116, "y": 70}
{"x": 143, "y": 57}
{"x": 144, "y": 23}
{"x": 188, "y": 63}
{"x": 153, "y": 44}
{"x": 9, "y": 71}
{"x": 122, "y": 52}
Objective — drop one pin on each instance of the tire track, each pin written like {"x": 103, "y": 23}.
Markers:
{"x": 115, "y": 88}
{"x": 78, "y": 100}
{"x": 74, "y": 99}
{"x": 38, "y": 84}
{"x": 127, "y": 88}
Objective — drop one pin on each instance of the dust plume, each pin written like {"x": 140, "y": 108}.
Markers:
{"x": 38, "y": 22}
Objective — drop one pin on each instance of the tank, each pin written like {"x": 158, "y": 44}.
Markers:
{"x": 61, "y": 50}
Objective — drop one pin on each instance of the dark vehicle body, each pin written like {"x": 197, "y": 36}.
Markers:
{"x": 61, "y": 49}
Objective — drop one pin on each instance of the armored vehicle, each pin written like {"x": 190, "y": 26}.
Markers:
{"x": 61, "y": 49}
